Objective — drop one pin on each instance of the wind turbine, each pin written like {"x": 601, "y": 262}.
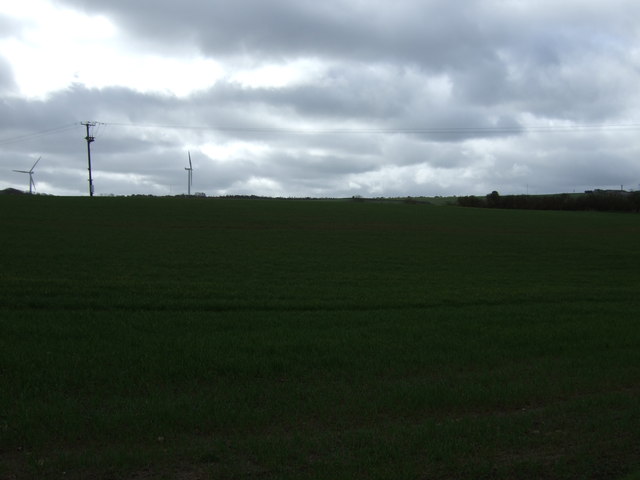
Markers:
{"x": 32, "y": 184}
{"x": 190, "y": 175}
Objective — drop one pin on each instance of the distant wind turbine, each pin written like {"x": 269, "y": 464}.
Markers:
{"x": 190, "y": 175}
{"x": 32, "y": 184}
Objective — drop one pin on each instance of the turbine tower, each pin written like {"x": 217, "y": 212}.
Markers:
{"x": 190, "y": 175}
{"x": 32, "y": 184}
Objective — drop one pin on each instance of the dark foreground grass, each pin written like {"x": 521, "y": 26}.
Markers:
{"x": 169, "y": 338}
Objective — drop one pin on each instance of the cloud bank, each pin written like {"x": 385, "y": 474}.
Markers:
{"x": 335, "y": 98}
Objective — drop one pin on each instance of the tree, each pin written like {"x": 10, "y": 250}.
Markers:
{"x": 493, "y": 199}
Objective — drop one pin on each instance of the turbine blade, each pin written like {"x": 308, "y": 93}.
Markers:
{"x": 190, "y": 166}
{"x": 21, "y": 171}
{"x": 34, "y": 165}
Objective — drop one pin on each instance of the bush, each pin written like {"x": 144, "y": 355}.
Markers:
{"x": 471, "y": 201}
{"x": 598, "y": 200}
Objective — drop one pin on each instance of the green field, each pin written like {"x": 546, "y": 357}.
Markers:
{"x": 160, "y": 338}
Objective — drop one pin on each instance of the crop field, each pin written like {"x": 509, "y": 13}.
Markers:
{"x": 191, "y": 338}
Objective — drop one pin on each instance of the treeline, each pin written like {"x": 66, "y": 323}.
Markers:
{"x": 601, "y": 201}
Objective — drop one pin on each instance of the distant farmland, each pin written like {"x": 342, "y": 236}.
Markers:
{"x": 234, "y": 338}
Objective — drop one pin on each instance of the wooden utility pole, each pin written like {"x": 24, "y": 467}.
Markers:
{"x": 89, "y": 139}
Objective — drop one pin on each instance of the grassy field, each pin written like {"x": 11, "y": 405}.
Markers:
{"x": 152, "y": 338}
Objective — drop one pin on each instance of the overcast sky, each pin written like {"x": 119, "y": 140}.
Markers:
{"x": 330, "y": 98}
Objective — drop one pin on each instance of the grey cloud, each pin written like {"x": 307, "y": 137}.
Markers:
{"x": 436, "y": 34}
{"x": 7, "y": 82}
{"x": 494, "y": 52}
{"x": 344, "y": 92}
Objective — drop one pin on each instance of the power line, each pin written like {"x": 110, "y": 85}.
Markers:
{"x": 407, "y": 130}
{"x": 42, "y": 133}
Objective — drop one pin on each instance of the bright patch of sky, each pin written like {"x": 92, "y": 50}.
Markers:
{"x": 276, "y": 75}
{"x": 228, "y": 151}
{"x": 61, "y": 47}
